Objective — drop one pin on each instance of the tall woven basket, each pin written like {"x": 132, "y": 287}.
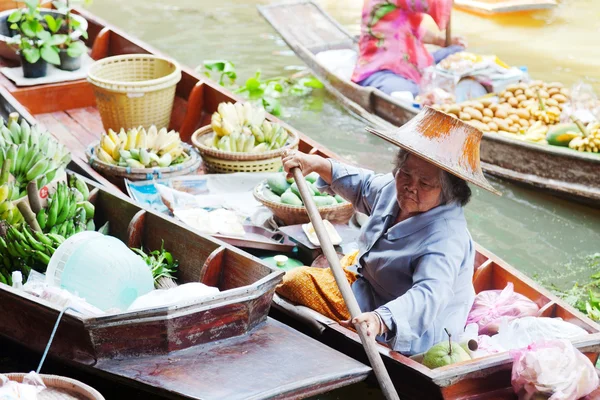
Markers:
{"x": 134, "y": 89}
{"x": 59, "y": 388}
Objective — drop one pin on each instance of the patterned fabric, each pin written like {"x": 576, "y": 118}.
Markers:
{"x": 316, "y": 288}
{"x": 391, "y": 35}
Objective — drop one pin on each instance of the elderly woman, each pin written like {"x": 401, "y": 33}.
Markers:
{"x": 415, "y": 266}
{"x": 392, "y": 53}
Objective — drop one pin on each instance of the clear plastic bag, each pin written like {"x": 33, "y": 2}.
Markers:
{"x": 584, "y": 104}
{"x": 492, "y": 306}
{"x": 28, "y": 390}
{"x": 554, "y": 370}
{"x": 436, "y": 88}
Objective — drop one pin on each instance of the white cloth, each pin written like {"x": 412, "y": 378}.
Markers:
{"x": 54, "y": 74}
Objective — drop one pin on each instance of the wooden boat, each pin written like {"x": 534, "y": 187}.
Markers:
{"x": 496, "y": 7}
{"x": 562, "y": 171}
{"x": 219, "y": 347}
{"x": 68, "y": 110}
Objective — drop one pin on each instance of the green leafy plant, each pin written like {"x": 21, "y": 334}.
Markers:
{"x": 33, "y": 40}
{"x": 586, "y": 298}
{"x": 161, "y": 262}
{"x": 74, "y": 47}
{"x": 267, "y": 91}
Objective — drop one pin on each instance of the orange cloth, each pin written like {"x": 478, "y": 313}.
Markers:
{"x": 316, "y": 288}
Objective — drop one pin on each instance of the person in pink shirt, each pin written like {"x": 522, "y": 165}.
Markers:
{"x": 392, "y": 43}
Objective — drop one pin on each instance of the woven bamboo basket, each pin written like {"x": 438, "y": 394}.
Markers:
{"x": 293, "y": 215}
{"x": 134, "y": 89}
{"x": 118, "y": 173}
{"x": 61, "y": 388}
{"x": 223, "y": 162}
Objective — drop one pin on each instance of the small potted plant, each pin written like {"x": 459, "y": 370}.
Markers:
{"x": 36, "y": 45}
{"x": 71, "y": 50}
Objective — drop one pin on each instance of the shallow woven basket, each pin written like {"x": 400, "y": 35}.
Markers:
{"x": 144, "y": 174}
{"x": 223, "y": 162}
{"x": 61, "y": 388}
{"x": 134, "y": 89}
{"x": 293, "y": 215}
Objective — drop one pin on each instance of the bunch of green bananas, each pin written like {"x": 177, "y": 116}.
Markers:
{"x": 242, "y": 128}
{"x": 23, "y": 248}
{"x": 8, "y": 192}
{"x": 69, "y": 211}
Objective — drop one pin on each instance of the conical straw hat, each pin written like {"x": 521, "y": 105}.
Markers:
{"x": 444, "y": 141}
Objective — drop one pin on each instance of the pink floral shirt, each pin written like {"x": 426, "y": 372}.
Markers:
{"x": 391, "y": 36}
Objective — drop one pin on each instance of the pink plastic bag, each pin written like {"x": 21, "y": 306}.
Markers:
{"x": 554, "y": 370}
{"x": 491, "y": 306}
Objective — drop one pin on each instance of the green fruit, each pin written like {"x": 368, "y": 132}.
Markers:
{"x": 445, "y": 353}
{"x": 290, "y": 198}
{"x": 296, "y": 191}
{"x": 339, "y": 198}
{"x": 278, "y": 184}
{"x": 324, "y": 201}
{"x": 562, "y": 134}
{"x": 269, "y": 195}
{"x": 312, "y": 177}
{"x": 89, "y": 209}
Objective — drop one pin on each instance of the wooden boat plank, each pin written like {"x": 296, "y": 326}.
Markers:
{"x": 70, "y": 136}
{"x": 273, "y": 361}
{"x": 503, "y": 7}
{"x": 89, "y": 119}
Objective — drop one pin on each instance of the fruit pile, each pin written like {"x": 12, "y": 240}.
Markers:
{"x": 285, "y": 191}
{"x": 138, "y": 148}
{"x": 588, "y": 140}
{"x": 242, "y": 128}
{"x": 544, "y": 101}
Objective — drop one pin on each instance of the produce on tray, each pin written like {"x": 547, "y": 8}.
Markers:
{"x": 8, "y": 193}
{"x": 138, "y": 148}
{"x": 242, "y": 128}
{"x": 586, "y": 139}
{"x": 544, "y": 101}
{"x": 161, "y": 263}
{"x": 281, "y": 190}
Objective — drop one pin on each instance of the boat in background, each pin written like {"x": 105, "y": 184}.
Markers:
{"x": 559, "y": 170}
{"x": 502, "y": 7}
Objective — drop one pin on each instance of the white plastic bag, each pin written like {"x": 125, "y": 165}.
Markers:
{"x": 522, "y": 332}
{"x": 28, "y": 390}
{"x": 177, "y": 295}
{"x": 61, "y": 298}
{"x": 552, "y": 369}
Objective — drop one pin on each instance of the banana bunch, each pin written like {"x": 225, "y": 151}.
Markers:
{"x": 589, "y": 143}
{"x": 8, "y": 192}
{"x": 138, "y": 148}
{"x": 536, "y": 133}
{"x": 23, "y": 248}
{"x": 68, "y": 211}
{"x": 543, "y": 112}
{"x": 242, "y": 128}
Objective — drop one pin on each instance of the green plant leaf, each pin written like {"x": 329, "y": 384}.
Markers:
{"x": 57, "y": 40}
{"x": 29, "y": 28}
{"x": 32, "y": 5}
{"x": 312, "y": 82}
{"x": 31, "y": 55}
{"x": 61, "y": 6}
{"x": 272, "y": 106}
{"x": 215, "y": 65}
{"x": 14, "y": 26}
{"x": 15, "y": 16}
{"x": 256, "y": 94}
{"x": 76, "y": 49}
{"x": 52, "y": 23}
{"x": 50, "y": 54}
{"x": 252, "y": 84}
{"x": 44, "y": 35}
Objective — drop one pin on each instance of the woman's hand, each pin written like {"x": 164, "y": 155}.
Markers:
{"x": 307, "y": 163}
{"x": 372, "y": 321}
{"x": 459, "y": 41}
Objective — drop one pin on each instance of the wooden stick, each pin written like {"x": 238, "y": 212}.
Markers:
{"x": 449, "y": 29}
{"x": 387, "y": 387}
{"x": 29, "y": 216}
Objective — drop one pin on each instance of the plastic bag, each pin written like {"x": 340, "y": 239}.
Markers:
{"x": 552, "y": 369}
{"x": 27, "y": 390}
{"x": 61, "y": 298}
{"x": 584, "y": 104}
{"x": 522, "y": 332}
{"x": 485, "y": 346}
{"x": 166, "y": 297}
{"x": 436, "y": 88}
{"x": 491, "y": 306}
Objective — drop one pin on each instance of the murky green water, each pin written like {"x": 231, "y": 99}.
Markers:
{"x": 541, "y": 235}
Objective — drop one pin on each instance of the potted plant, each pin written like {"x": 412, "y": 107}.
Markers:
{"x": 71, "y": 50}
{"x": 36, "y": 45}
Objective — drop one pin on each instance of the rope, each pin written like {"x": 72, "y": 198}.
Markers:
{"x": 52, "y": 336}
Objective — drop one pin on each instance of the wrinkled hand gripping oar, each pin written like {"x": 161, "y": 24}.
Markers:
{"x": 368, "y": 342}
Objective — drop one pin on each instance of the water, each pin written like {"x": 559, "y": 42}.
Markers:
{"x": 545, "y": 237}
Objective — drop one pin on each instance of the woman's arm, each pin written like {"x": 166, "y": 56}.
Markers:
{"x": 437, "y": 39}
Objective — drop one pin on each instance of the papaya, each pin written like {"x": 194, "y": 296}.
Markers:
{"x": 322, "y": 201}
{"x": 312, "y": 177}
{"x": 339, "y": 198}
{"x": 278, "y": 184}
{"x": 269, "y": 195}
{"x": 315, "y": 190}
{"x": 562, "y": 134}
{"x": 296, "y": 191}
{"x": 288, "y": 197}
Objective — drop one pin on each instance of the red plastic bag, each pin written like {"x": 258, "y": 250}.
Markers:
{"x": 553, "y": 370}
{"x": 492, "y": 306}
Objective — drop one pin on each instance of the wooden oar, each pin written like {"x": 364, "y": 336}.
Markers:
{"x": 368, "y": 342}
{"x": 449, "y": 29}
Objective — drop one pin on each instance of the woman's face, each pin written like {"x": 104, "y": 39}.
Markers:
{"x": 418, "y": 185}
